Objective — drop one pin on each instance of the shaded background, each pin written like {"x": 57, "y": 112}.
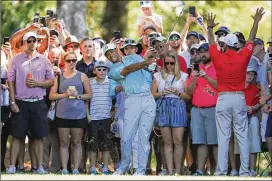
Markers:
{"x": 100, "y": 18}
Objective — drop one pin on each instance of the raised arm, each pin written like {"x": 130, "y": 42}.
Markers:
{"x": 211, "y": 25}
{"x": 257, "y": 18}
{"x": 184, "y": 32}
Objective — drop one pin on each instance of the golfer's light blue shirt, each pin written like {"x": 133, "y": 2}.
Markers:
{"x": 137, "y": 82}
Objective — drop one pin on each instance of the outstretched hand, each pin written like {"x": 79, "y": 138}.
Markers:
{"x": 259, "y": 14}
{"x": 210, "y": 20}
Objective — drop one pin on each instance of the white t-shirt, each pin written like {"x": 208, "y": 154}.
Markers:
{"x": 187, "y": 56}
{"x": 178, "y": 84}
{"x": 147, "y": 23}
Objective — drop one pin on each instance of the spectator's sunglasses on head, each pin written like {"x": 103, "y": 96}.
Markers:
{"x": 71, "y": 60}
{"x": 31, "y": 41}
{"x": 174, "y": 37}
{"x": 101, "y": 69}
{"x": 193, "y": 51}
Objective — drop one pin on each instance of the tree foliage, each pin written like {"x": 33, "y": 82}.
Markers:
{"x": 234, "y": 14}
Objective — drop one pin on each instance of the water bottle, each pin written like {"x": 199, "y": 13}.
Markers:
{"x": 5, "y": 97}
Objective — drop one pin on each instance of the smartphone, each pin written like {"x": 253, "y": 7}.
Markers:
{"x": 55, "y": 63}
{"x": 43, "y": 21}
{"x": 6, "y": 39}
{"x": 49, "y": 13}
{"x": 192, "y": 11}
{"x": 36, "y": 17}
{"x": 196, "y": 67}
{"x": 116, "y": 34}
{"x": 72, "y": 88}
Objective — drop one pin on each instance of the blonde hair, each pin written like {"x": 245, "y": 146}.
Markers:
{"x": 165, "y": 72}
{"x": 71, "y": 52}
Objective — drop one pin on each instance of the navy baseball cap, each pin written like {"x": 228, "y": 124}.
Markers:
{"x": 201, "y": 37}
{"x": 258, "y": 41}
{"x": 205, "y": 46}
{"x": 192, "y": 33}
{"x": 223, "y": 29}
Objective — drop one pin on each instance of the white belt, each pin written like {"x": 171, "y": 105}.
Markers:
{"x": 30, "y": 100}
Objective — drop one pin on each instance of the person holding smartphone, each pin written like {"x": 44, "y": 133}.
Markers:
{"x": 202, "y": 86}
{"x": 149, "y": 18}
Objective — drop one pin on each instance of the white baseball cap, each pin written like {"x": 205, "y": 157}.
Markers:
{"x": 101, "y": 63}
{"x": 146, "y": 4}
{"x": 107, "y": 47}
{"x": 28, "y": 35}
{"x": 196, "y": 46}
{"x": 251, "y": 69}
{"x": 231, "y": 40}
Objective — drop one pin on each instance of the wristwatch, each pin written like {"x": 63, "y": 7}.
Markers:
{"x": 79, "y": 97}
{"x": 13, "y": 102}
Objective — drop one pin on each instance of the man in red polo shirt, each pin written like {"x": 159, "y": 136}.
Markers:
{"x": 231, "y": 107}
{"x": 202, "y": 86}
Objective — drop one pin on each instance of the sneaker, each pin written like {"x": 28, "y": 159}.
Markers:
{"x": 163, "y": 172}
{"x": 11, "y": 169}
{"x": 42, "y": 171}
{"x": 118, "y": 172}
{"x": 198, "y": 173}
{"x": 138, "y": 174}
{"x": 34, "y": 170}
{"x": 20, "y": 169}
{"x": 253, "y": 173}
{"x": 106, "y": 172}
{"x": 93, "y": 171}
{"x": 75, "y": 172}
{"x": 64, "y": 172}
{"x": 234, "y": 173}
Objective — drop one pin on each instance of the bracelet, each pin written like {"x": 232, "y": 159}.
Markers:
{"x": 210, "y": 27}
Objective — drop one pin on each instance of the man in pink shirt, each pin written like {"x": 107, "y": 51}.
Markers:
{"x": 29, "y": 74}
{"x": 202, "y": 86}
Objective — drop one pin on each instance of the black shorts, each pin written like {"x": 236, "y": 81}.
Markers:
{"x": 100, "y": 136}
{"x": 268, "y": 132}
{"x": 71, "y": 123}
{"x": 31, "y": 120}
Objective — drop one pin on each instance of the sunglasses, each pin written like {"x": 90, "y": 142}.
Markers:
{"x": 169, "y": 63}
{"x": 193, "y": 52}
{"x": 153, "y": 35}
{"x": 71, "y": 60}
{"x": 31, "y": 41}
{"x": 172, "y": 38}
{"x": 130, "y": 42}
{"x": 101, "y": 69}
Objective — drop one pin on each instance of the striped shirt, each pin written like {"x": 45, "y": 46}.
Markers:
{"x": 101, "y": 102}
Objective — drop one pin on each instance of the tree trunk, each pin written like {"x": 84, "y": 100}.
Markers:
{"x": 115, "y": 18}
{"x": 73, "y": 14}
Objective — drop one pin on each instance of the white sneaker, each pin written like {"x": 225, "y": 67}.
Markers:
{"x": 11, "y": 169}
{"x": 234, "y": 173}
{"x": 253, "y": 173}
{"x": 118, "y": 172}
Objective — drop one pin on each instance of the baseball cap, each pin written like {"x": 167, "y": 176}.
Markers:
{"x": 194, "y": 46}
{"x": 101, "y": 63}
{"x": 251, "y": 69}
{"x": 107, "y": 47}
{"x": 54, "y": 32}
{"x": 258, "y": 41}
{"x": 201, "y": 37}
{"x": 161, "y": 39}
{"x": 28, "y": 35}
{"x": 205, "y": 46}
{"x": 132, "y": 42}
{"x": 192, "y": 33}
{"x": 174, "y": 33}
{"x": 223, "y": 29}
{"x": 100, "y": 41}
{"x": 146, "y": 4}
{"x": 240, "y": 36}
{"x": 269, "y": 40}
{"x": 231, "y": 40}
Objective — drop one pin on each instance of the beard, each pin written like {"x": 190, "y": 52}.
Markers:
{"x": 205, "y": 60}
